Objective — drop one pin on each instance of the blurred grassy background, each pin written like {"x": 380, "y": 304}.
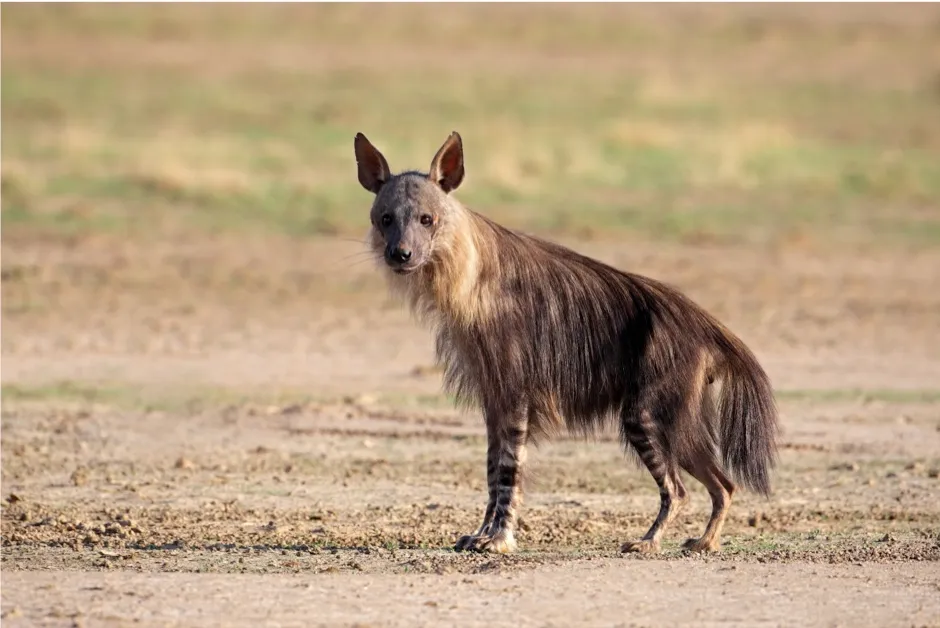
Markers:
{"x": 742, "y": 123}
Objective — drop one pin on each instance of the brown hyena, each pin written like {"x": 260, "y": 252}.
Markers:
{"x": 540, "y": 337}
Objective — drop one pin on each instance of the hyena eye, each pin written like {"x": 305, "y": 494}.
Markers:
{"x": 386, "y": 220}
{"x": 427, "y": 220}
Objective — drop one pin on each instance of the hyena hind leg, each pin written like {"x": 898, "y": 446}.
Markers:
{"x": 706, "y": 470}
{"x": 640, "y": 433}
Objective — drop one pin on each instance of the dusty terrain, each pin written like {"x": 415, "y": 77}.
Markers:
{"x": 233, "y": 425}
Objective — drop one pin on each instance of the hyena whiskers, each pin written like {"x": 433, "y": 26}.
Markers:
{"x": 540, "y": 338}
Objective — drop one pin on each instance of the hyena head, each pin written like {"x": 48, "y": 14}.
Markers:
{"x": 412, "y": 211}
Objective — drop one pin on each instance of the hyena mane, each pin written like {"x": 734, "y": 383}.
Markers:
{"x": 542, "y": 338}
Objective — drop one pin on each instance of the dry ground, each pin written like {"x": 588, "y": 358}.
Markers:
{"x": 258, "y": 433}
{"x": 216, "y": 420}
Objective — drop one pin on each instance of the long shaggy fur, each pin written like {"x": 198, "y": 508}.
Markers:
{"x": 541, "y": 337}
{"x": 517, "y": 315}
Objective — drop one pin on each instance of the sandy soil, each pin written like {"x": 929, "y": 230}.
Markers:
{"x": 172, "y": 503}
{"x": 603, "y": 592}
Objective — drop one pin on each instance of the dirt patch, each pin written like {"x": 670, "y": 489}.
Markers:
{"x": 331, "y": 481}
{"x": 600, "y": 592}
{"x": 232, "y": 411}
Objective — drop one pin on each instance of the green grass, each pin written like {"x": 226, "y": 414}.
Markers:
{"x": 739, "y": 123}
{"x": 178, "y": 399}
{"x": 197, "y": 398}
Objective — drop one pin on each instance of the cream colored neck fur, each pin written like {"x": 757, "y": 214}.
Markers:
{"x": 450, "y": 288}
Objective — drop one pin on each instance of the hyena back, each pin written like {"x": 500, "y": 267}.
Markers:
{"x": 540, "y": 337}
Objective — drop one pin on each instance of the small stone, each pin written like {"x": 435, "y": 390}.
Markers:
{"x": 79, "y": 477}
{"x": 360, "y": 400}
{"x": 934, "y": 473}
{"x": 754, "y": 520}
{"x": 424, "y": 370}
{"x": 844, "y": 466}
{"x": 183, "y": 463}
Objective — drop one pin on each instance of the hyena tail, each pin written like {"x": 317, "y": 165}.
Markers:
{"x": 747, "y": 414}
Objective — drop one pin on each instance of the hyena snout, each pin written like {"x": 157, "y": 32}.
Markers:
{"x": 399, "y": 255}
{"x": 403, "y": 258}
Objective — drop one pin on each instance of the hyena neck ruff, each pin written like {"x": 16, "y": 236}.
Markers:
{"x": 450, "y": 290}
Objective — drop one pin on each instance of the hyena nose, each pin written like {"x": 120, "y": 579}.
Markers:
{"x": 401, "y": 255}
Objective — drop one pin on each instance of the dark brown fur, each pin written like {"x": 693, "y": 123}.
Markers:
{"x": 540, "y": 337}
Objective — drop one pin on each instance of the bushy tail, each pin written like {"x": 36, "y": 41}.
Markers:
{"x": 747, "y": 414}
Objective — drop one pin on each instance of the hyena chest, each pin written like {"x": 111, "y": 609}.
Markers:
{"x": 491, "y": 362}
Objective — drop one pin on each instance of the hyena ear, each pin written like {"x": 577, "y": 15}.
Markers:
{"x": 447, "y": 165}
{"x": 373, "y": 169}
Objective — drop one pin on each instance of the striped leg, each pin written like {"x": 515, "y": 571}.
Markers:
{"x": 640, "y": 432}
{"x": 492, "y": 460}
{"x": 499, "y": 536}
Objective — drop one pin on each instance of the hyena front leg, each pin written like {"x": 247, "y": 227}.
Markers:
{"x": 508, "y": 442}
{"x": 492, "y": 462}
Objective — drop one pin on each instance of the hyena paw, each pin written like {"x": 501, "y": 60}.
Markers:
{"x": 645, "y": 546}
{"x": 502, "y": 542}
{"x": 465, "y": 543}
{"x": 701, "y": 545}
